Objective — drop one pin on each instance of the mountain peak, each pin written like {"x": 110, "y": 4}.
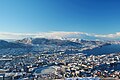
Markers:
{"x": 61, "y": 35}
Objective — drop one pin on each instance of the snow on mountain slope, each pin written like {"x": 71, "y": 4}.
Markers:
{"x": 61, "y": 35}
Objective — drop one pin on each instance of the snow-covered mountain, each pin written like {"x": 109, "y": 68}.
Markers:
{"x": 62, "y": 35}
{"x": 36, "y": 45}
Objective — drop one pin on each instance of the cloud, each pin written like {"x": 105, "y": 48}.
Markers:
{"x": 60, "y": 35}
{"x": 112, "y": 36}
{"x": 7, "y": 35}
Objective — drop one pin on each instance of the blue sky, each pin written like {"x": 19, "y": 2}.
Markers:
{"x": 33, "y": 16}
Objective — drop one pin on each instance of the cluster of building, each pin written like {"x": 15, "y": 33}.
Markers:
{"x": 42, "y": 66}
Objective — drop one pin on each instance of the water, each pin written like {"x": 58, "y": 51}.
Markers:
{"x": 114, "y": 48}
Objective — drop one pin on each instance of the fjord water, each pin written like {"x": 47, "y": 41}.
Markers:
{"x": 113, "y": 48}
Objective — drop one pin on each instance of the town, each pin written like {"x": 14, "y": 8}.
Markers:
{"x": 43, "y": 66}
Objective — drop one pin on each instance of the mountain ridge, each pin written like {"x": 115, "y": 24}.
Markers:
{"x": 62, "y": 35}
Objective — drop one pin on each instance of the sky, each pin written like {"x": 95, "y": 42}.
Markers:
{"x": 34, "y": 16}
